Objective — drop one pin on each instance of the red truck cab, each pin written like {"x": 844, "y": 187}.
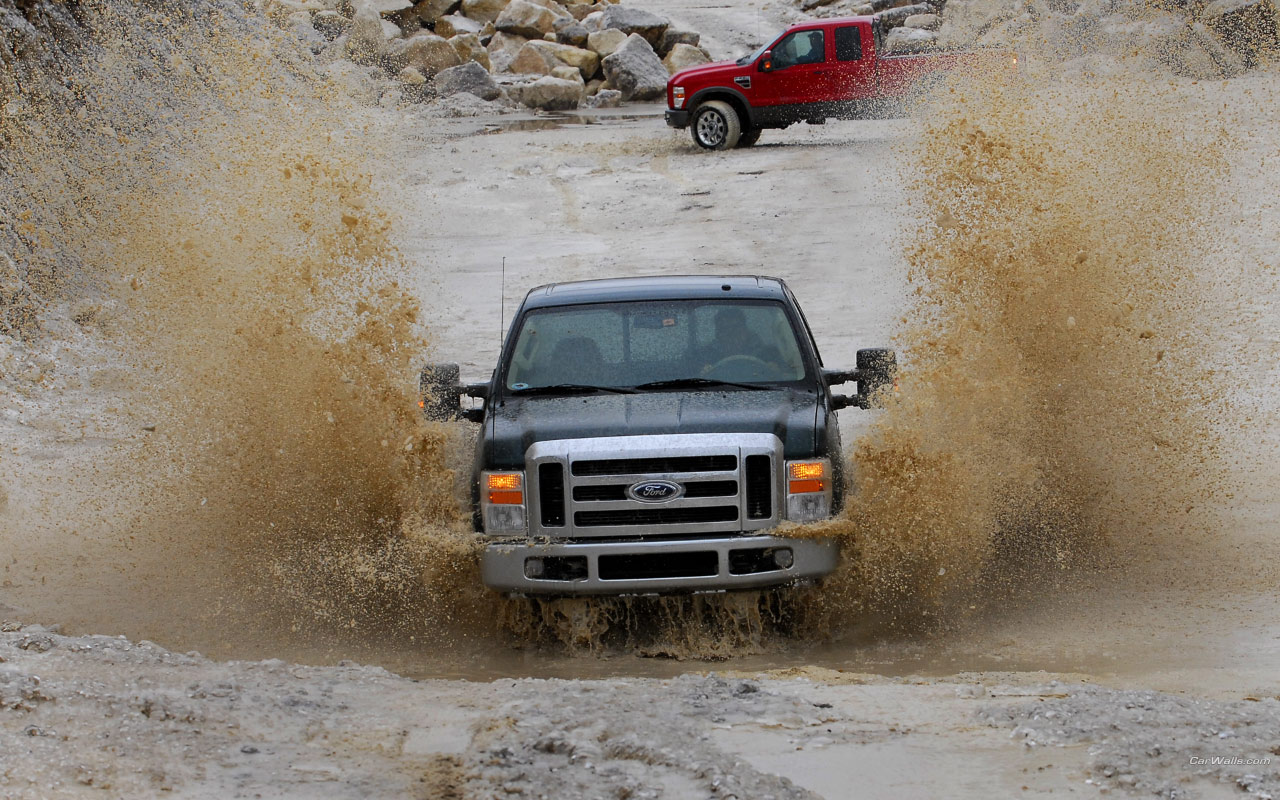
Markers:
{"x": 828, "y": 68}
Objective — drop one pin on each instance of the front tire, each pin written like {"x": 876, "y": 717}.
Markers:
{"x": 749, "y": 138}
{"x": 716, "y": 126}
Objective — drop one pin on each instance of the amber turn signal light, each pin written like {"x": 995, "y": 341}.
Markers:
{"x": 807, "y": 470}
{"x": 805, "y": 487}
{"x": 806, "y": 477}
{"x": 504, "y": 481}
{"x": 505, "y": 488}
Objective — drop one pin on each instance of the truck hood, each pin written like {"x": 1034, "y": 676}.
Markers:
{"x": 704, "y": 71}
{"x": 520, "y": 422}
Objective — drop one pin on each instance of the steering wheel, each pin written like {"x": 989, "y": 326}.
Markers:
{"x": 755, "y": 368}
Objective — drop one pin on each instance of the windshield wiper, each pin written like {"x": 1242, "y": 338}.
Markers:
{"x": 571, "y": 388}
{"x": 693, "y": 383}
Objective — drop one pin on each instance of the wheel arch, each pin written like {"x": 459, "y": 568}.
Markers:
{"x": 736, "y": 100}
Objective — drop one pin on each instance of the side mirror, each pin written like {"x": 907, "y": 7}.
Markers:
{"x": 766, "y": 61}
{"x": 877, "y": 371}
{"x": 442, "y": 394}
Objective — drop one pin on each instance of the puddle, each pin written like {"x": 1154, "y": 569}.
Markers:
{"x": 556, "y": 121}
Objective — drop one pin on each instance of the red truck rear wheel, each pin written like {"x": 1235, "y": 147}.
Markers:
{"x": 715, "y": 126}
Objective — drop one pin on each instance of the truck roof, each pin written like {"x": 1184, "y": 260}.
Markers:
{"x": 825, "y": 21}
{"x": 657, "y": 287}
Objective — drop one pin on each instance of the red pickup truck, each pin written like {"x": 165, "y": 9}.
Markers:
{"x": 828, "y": 68}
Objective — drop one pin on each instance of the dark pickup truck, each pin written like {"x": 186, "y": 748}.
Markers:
{"x": 646, "y": 435}
{"x": 828, "y": 68}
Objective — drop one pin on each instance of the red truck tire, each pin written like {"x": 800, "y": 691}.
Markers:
{"x": 715, "y": 126}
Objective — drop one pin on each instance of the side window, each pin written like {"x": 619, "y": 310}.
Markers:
{"x": 801, "y": 47}
{"x": 849, "y": 43}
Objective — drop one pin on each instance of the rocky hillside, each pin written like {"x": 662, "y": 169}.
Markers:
{"x": 541, "y": 53}
{"x": 1193, "y": 38}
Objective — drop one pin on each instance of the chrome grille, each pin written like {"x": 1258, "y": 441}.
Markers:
{"x": 729, "y": 483}
{"x": 640, "y": 466}
{"x": 551, "y": 494}
{"x": 618, "y": 491}
{"x": 760, "y": 479}
{"x": 655, "y": 516}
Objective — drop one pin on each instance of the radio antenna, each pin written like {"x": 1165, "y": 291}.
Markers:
{"x": 502, "y": 301}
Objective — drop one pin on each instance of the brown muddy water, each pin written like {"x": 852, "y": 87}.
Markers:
{"x": 1077, "y": 474}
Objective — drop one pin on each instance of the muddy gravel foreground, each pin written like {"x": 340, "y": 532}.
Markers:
{"x": 104, "y": 716}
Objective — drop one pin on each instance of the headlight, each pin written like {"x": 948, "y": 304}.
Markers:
{"x": 677, "y": 97}
{"x": 808, "y": 490}
{"x": 502, "y": 502}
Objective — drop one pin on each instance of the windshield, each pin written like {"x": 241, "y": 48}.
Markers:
{"x": 681, "y": 343}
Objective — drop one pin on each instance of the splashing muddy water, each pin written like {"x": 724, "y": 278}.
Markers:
{"x": 1067, "y": 390}
{"x": 286, "y": 475}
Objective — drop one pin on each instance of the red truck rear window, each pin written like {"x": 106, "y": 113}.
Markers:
{"x": 849, "y": 43}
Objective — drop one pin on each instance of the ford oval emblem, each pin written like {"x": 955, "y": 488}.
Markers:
{"x": 655, "y": 491}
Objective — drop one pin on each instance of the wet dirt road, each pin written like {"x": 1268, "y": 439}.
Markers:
{"x": 822, "y": 208}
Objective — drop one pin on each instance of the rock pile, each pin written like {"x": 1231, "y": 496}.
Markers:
{"x": 1195, "y": 38}
{"x": 543, "y": 54}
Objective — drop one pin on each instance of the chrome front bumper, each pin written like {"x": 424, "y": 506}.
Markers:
{"x": 655, "y": 567}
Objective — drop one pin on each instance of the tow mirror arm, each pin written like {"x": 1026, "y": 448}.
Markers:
{"x": 480, "y": 391}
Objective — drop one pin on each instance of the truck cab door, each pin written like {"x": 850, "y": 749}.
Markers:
{"x": 795, "y": 72}
{"x": 853, "y": 72}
